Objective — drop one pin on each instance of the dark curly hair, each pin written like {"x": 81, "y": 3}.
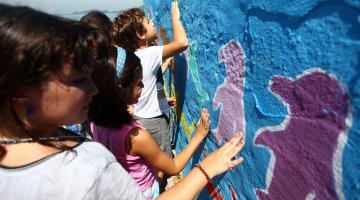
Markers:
{"x": 125, "y": 28}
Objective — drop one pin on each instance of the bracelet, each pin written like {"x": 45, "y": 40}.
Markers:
{"x": 205, "y": 174}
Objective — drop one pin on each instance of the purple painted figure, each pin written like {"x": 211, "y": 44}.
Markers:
{"x": 229, "y": 95}
{"x": 304, "y": 151}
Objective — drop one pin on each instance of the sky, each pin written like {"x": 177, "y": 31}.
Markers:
{"x": 70, "y": 6}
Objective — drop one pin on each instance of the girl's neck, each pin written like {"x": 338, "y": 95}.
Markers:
{"x": 48, "y": 131}
{"x": 143, "y": 44}
{"x": 20, "y": 133}
{"x": 147, "y": 42}
{"x": 23, "y": 153}
{"x": 18, "y": 155}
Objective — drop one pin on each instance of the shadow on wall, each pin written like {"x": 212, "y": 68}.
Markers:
{"x": 177, "y": 79}
{"x": 180, "y": 80}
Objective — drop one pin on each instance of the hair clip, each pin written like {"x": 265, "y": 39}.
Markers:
{"x": 120, "y": 62}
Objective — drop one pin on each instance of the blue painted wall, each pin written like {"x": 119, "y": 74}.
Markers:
{"x": 287, "y": 73}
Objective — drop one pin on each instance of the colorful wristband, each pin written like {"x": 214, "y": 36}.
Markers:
{"x": 205, "y": 174}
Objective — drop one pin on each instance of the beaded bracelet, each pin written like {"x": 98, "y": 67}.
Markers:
{"x": 204, "y": 172}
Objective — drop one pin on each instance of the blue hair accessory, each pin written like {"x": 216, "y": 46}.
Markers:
{"x": 120, "y": 61}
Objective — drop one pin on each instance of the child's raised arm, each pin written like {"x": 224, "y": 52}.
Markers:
{"x": 180, "y": 41}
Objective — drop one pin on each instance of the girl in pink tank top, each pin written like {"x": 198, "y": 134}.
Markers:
{"x": 133, "y": 146}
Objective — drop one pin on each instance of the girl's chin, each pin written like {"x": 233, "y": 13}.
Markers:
{"x": 81, "y": 118}
{"x": 133, "y": 102}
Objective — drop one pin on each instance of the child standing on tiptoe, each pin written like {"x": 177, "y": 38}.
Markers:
{"x": 134, "y": 32}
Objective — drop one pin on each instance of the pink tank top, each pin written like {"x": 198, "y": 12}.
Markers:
{"x": 114, "y": 140}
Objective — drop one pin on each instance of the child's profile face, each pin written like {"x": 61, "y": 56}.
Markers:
{"x": 150, "y": 27}
{"x": 64, "y": 98}
{"x": 136, "y": 89}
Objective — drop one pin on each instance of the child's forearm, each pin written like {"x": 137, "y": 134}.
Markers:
{"x": 165, "y": 65}
{"x": 214, "y": 164}
{"x": 187, "y": 188}
{"x": 179, "y": 35}
{"x": 183, "y": 158}
{"x": 201, "y": 131}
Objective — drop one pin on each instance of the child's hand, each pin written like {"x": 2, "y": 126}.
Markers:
{"x": 171, "y": 101}
{"x": 175, "y": 13}
{"x": 221, "y": 160}
{"x": 203, "y": 124}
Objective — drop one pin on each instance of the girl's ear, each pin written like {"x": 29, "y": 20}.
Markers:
{"x": 141, "y": 37}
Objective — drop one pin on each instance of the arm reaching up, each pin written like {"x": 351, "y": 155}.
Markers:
{"x": 180, "y": 41}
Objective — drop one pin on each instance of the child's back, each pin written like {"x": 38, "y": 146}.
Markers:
{"x": 151, "y": 103}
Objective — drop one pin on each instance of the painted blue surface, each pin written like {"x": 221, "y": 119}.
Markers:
{"x": 279, "y": 38}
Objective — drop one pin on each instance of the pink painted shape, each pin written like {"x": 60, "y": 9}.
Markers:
{"x": 230, "y": 93}
{"x": 304, "y": 150}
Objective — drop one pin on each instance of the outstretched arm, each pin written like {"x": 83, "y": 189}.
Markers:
{"x": 166, "y": 64}
{"x": 145, "y": 146}
{"x": 216, "y": 163}
{"x": 180, "y": 41}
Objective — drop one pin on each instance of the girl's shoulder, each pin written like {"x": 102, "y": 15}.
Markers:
{"x": 136, "y": 124}
{"x": 122, "y": 128}
{"x": 149, "y": 53}
{"x": 93, "y": 155}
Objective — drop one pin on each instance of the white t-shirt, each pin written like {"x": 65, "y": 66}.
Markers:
{"x": 151, "y": 61}
{"x": 90, "y": 171}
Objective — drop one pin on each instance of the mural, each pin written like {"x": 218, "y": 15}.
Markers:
{"x": 193, "y": 68}
{"x": 307, "y": 148}
{"x": 230, "y": 94}
{"x": 296, "y": 93}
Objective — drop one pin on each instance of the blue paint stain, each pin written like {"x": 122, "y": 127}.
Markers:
{"x": 279, "y": 37}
